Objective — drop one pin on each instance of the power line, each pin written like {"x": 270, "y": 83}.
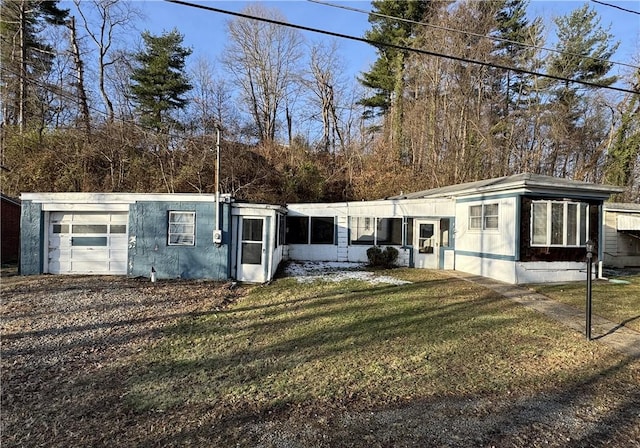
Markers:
{"x": 400, "y": 47}
{"x": 616, "y": 6}
{"x": 468, "y": 33}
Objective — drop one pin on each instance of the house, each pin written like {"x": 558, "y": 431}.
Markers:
{"x": 9, "y": 229}
{"x": 174, "y": 235}
{"x": 621, "y": 240}
{"x": 524, "y": 228}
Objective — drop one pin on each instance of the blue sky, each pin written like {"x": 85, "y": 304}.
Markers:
{"x": 204, "y": 31}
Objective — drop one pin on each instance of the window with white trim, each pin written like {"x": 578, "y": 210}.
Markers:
{"x": 559, "y": 223}
{"x": 182, "y": 229}
{"x": 483, "y": 217}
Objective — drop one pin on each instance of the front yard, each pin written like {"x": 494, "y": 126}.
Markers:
{"x": 434, "y": 362}
{"x": 617, "y": 300}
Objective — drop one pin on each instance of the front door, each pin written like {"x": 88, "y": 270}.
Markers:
{"x": 252, "y": 250}
{"x": 425, "y": 243}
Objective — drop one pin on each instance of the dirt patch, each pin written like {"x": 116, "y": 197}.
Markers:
{"x": 67, "y": 343}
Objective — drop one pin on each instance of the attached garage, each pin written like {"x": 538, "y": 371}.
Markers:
{"x": 87, "y": 243}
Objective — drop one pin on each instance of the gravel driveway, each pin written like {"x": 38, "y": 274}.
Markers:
{"x": 65, "y": 346}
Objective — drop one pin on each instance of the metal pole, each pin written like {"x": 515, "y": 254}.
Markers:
{"x": 590, "y": 249}
{"x": 589, "y": 267}
{"x": 217, "y": 177}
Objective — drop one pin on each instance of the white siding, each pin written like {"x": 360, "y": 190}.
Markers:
{"x": 500, "y": 242}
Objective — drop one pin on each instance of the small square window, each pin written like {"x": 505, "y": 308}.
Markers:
{"x": 484, "y": 217}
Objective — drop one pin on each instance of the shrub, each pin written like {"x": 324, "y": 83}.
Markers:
{"x": 379, "y": 258}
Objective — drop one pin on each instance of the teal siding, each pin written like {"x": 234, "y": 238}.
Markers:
{"x": 148, "y": 245}
{"x": 32, "y": 230}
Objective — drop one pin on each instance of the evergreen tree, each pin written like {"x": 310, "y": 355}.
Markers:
{"x": 517, "y": 37}
{"x": 387, "y": 71}
{"x": 582, "y": 53}
{"x": 159, "y": 82}
{"x": 25, "y": 57}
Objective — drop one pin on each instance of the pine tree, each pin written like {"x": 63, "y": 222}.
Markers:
{"x": 159, "y": 82}
{"x": 387, "y": 70}
{"x": 582, "y": 53}
{"x": 25, "y": 57}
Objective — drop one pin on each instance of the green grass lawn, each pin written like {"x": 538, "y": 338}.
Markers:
{"x": 363, "y": 346}
{"x": 618, "y": 302}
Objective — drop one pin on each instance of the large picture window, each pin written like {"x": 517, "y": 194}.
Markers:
{"x": 559, "y": 223}
{"x": 182, "y": 228}
{"x": 483, "y": 217}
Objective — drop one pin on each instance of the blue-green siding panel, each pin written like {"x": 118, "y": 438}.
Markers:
{"x": 148, "y": 245}
{"x": 31, "y": 238}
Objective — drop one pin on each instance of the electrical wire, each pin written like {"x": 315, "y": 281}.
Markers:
{"x": 468, "y": 33}
{"x": 401, "y": 47}
{"x": 617, "y": 7}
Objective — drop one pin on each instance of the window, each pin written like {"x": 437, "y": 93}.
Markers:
{"x": 118, "y": 228}
{"x": 379, "y": 231}
{"x": 252, "y": 240}
{"x": 362, "y": 231}
{"x": 182, "y": 228}
{"x": 322, "y": 230}
{"x": 425, "y": 239}
{"x": 281, "y": 228}
{"x": 475, "y": 217}
{"x": 483, "y": 217}
{"x": 297, "y": 229}
{"x": 559, "y": 223}
{"x": 389, "y": 231}
{"x": 311, "y": 230}
{"x": 61, "y": 228}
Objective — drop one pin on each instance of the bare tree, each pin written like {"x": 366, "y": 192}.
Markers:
{"x": 263, "y": 58}
{"x": 113, "y": 17}
{"x": 326, "y": 87}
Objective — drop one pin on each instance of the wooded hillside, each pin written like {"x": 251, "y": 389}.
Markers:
{"x": 484, "y": 96}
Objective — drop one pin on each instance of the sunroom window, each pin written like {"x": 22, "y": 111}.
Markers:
{"x": 376, "y": 231}
{"x": 559, "y": 223}
{"x": 311, "y": 230}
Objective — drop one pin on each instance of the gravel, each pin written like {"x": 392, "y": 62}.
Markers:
{"x": 66, "y": 343}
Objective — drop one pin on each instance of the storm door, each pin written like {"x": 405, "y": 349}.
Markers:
{"x": 251, "y": 250}
{"x": 425, "y": 243}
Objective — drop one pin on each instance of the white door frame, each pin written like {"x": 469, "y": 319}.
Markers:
{"x": 252, "y": 271}
{"x": 426, "y": 248}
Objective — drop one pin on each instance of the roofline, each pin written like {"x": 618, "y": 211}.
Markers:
{"x": 524, "y": 182}
{"x": 118, "y": 198}
{"x": 14, "y": 201}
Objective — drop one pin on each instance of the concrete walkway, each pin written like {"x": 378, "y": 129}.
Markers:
{"x": 616, "y": 335}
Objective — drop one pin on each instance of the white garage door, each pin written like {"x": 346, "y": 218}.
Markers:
{"x": 87, "y": 243}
